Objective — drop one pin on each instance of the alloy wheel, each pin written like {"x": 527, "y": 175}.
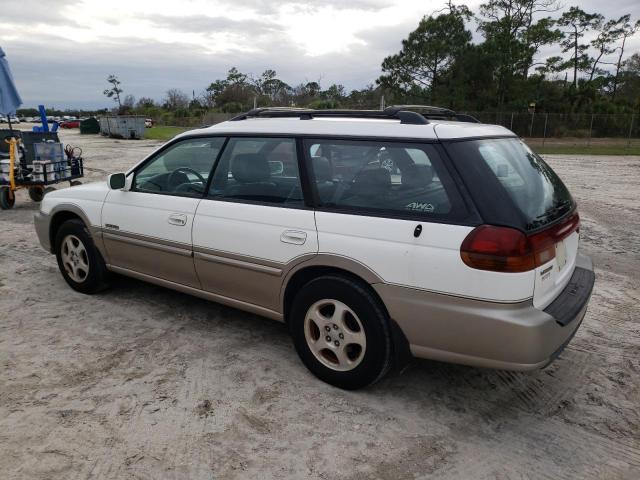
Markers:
{"x": 335, "y": 335}
{"x": 75, "y": 258}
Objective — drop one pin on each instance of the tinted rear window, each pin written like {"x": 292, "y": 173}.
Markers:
{"x": 533, "y": 187}
{"x": 384, "y": 178}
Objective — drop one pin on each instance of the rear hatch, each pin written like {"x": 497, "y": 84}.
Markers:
{"x": 514, "y": 187}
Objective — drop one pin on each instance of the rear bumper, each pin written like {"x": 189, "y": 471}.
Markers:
{"x": 486, "y": 334}
{"x": 42, "y": 222}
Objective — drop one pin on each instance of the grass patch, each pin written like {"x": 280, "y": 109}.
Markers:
{"x": 163, "y": 133}
{"x": 586, "y": 150}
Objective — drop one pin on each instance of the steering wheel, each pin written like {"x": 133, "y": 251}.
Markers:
{"x": 183, "y": 170}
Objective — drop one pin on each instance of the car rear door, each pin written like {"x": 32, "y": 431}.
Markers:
{"x": 147, "y": 229}
{"x": 395, "y": 208}
{"x": 253, "y": 225}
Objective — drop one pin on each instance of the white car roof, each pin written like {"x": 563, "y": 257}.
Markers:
{"x": 354, "y": 127}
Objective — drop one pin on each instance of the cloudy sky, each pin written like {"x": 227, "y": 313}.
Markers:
{"x": 61, "y": 51}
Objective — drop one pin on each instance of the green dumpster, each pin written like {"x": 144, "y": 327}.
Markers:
{"x": 89, "y": 125}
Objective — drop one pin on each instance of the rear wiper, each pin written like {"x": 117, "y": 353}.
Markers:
{"x": 553, "y": 210}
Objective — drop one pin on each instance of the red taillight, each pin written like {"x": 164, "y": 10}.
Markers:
{"x": 504, "y": 249}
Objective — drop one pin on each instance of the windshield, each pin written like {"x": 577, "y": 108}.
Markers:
{"x": 532, "y": 185}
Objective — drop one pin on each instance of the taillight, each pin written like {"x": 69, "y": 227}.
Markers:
{"x": 504, "y": 249}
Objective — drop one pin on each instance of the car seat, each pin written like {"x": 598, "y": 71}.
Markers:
{"x": 369, "y": 188}
{"x": 252, "y": 175}
{"x": 416, "y": 176}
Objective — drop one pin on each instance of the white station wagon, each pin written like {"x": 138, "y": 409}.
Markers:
{"x": 373, "y": 234}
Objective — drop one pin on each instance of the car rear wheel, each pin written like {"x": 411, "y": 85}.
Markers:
{"x": 341, "y": 332}
{"x": 80, "y": 262}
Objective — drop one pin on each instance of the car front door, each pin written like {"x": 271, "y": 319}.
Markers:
{"x": 147, "y": 228}
{"x": 253, "y": 225}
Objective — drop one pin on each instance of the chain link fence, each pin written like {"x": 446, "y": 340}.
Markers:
{"x": 541, "y": 128}
{"x": 581, "y": 129}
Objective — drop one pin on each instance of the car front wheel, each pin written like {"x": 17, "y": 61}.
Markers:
{"x": 80, "y": 262}
{"x": 341, "y": 332}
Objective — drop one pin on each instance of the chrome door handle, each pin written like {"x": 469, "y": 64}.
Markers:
{"x": 293, "y": 236}
{"x": 177, "y": 219}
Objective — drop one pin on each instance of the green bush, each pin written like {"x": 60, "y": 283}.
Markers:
{"x": 232, "y": 107}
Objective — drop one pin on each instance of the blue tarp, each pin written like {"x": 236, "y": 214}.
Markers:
{"x": 9, "y": 98}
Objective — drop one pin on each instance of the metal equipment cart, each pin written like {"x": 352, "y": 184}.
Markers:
{"x": 51, "y": 165}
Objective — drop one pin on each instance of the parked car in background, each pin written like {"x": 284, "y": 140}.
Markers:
{"x": 371, "y": 234}
{"x": 14, "y": 120}
{"x": 70, "y": 124}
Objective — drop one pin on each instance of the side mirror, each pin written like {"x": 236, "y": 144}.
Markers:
{"x": 117, "y": 181}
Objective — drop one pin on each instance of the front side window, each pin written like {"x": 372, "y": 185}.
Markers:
{"x": 398, "y": 178}
{"x": 181, "y": 169}
{"x": 259, "y": 170}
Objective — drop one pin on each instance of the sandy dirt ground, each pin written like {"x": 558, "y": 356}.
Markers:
{"x": 146, "y": 383}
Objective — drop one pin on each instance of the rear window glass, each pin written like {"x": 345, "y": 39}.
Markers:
{"x": 532, "y": 185}
{"x": 399, "y": 179}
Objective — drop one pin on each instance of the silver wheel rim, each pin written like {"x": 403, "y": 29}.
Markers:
{"x": 335, "y": 335}
{"x": 74, "y": 258}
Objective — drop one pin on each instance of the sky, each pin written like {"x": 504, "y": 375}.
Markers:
{"x": 61, "y": 51}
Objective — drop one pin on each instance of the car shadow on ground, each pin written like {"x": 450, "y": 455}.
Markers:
{"x": 460, "y": 388}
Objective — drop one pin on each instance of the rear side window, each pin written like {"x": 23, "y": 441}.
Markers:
{"x": 394, "y": 179}
{"x": 532, "y": 186}
{"x": 261, "y": 170}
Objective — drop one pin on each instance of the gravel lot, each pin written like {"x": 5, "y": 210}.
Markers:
{"x": 143, "y": 382}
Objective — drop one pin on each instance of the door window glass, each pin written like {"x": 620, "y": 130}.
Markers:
{"x": 381, "y": 176}
{"x": 182, "y": 169}
{"x": 260, "y": 170}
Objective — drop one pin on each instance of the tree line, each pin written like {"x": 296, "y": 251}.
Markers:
{"x": 240, "y": 91}
{"x": 440, "y": 64}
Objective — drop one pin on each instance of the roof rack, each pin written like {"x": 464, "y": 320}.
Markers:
{"x": 404, "y": 113}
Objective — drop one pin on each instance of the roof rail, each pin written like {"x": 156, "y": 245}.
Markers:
{"x": 404, "y": 113}
{"x": 429, "y": 111}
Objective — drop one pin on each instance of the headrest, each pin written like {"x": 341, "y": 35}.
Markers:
{"x": 372, "y": 182}
{"x": 322, "y": 169}
{"x": 250, "y": 168}
{"x": 417, "y": 176}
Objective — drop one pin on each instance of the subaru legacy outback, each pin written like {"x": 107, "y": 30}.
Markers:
{"x": 372, "y": 234}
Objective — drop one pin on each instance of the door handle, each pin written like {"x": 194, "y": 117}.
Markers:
{"x": 293, "y": 236}
{"x": 177, "y": 219}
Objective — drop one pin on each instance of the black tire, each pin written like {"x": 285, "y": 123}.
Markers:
{"x": 377, "y": 357}
{"x": 7, "y": 199}
{"x": 36, "y": 194}
{"x": 97, "y": 278}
